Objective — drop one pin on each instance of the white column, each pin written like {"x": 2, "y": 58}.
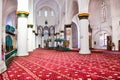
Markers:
{"x": 115, "y": 22}
{"x": 62, "y": 34}
{"x": 79, "y": 42}
{"x": 36, "y": 40}
{"x": 35, "y": 27}
{"x": 2, "y": 63}
{"x": 22, "y": 5}
{"x": 55, "y": 44}
{"x": 33, "y": 39}
{"x": 30, "y": 25}
{"x": 0, "y": 30}
{"x": 39, "y": 40}
{"x": 30, "y": 28}
{"x": 22, "y": 37}
{"x": 115, "y": 31}
{"x": 22, "y": 13}
{"x": 57, "y": 37}
{"x": 3, "y": 33}
{"x": 48, "y": 42}
{"x": 69, "y": 34}
{"x": 52, "y": 40}
{"x": 83, "y": 6}
{"x": 84, "y": 34}
{"x": 68, "y": 21}
{"x": 66, "y": 11}
{"x": 84, "y": 37}
{"x": 42, "y": 41}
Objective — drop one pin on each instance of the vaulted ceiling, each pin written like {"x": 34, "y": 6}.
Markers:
{"x": 54, "y": 5}
{"x": 58, "y": 6}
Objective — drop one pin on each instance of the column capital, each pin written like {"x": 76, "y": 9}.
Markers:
{"x": 22, "y": 13}
{"x": 36, "y": 34}
{"x": 33, "y": 31}
{"x": 29, "y": 25}
{"x": 57, "y": 33}
{"x": 68, "y": 25}
{"x": 61, "y": 31}
{"x": 42, "y": 34}
{"x": 83, "y": 16}
{"x": 54, "y": 34}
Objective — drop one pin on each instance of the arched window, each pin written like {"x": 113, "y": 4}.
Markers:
{"x": 39, "y": 13}
{"x": 46, "y": 13}
{"x": 45, "y": 32}
{"x": 52, "y": 13}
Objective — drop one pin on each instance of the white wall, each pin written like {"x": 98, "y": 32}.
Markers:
{"x": 115, "y": 11}
{"x": 12, "y": 19}
{"x": 76, "y": 21}
{"x": 0, "y": 28}
{"x": 97, "y": 22}
{"x": 41, "y": 17}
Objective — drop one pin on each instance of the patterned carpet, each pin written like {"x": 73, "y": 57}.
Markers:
{"x": 54, "y": 65}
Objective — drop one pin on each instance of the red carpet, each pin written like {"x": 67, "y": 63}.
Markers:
{"x": 55, "y": 65}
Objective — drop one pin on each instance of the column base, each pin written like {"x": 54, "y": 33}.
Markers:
{"x": 84, "y": 52}
{"x": 30, "y": 50}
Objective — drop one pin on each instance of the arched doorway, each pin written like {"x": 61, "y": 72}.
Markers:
{"x": 9, "y": 42}
{"x": 74, "y": 35}
{"x": 46, "y": 36}
{"x": 100, "y": 39}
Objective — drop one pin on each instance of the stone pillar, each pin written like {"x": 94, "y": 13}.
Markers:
{"x": 84, "y": 32}
{"x": 33, "y": 39}
{"x": 22, "y": 13}
{"x": 116, "y": 31}
{"x": 52, "y": 40}
{"x": 0, "y": 30}
{"x": 2, "y": 63}
{"x": 42, "y": 42}
{"x": 55, "y": 44}
{"x": 68, "y": 33}
{"x": 62, "y": 34}
{"x": 57, "y": 37}
{"x": 30, "y": 28}
{"x": 68, "y": 20}
{"x": 39, "y": 41}
{"x": 22, "y": 33}
{"x": 115, "y": 22}
{"x": 36, "y": 40}
{"x": 3, "y": 33}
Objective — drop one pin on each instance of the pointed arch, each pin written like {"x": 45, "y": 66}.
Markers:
{"x": 74, "y": 35}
